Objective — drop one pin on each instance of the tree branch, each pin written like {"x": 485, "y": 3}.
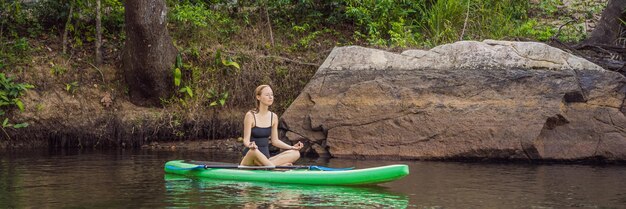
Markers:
{"x": 98, "y": 34}
{"x": 602, "y": 47}
{"x": 67, "y": 25}
{"x": 269, "y": 23}
{"x": 290, "y": 60}
{"x": 276, "y": 57}
{"x": 101, "y": 74}
{"x": 558, "y": 32}
{"x": 465, "y": 23}
{"x": 5, "y": 133}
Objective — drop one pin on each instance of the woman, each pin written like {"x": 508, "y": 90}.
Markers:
{"x": 260, "y": 127}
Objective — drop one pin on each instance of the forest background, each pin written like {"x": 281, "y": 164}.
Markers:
{"x": 226, "y": 48}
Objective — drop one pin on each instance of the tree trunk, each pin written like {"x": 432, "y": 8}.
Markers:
{"x": 269, "y": 24}
{"x": 149, "y": 53}
{"x": 67, "y": 25}
{"x": 608, "y": 29}
{"x": 98, "y": 34}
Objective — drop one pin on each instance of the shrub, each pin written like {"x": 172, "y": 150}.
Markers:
{"x": 198, "y": 23}
{"x": 9, "y": 96}
{"x": 16, "y": 20}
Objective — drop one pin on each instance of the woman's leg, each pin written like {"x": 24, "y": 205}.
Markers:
{"x": 254, "y": 158}
{"x": 285, "y": 158}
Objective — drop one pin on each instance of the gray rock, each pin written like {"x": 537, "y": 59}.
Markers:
{"x": 490, "y": 99}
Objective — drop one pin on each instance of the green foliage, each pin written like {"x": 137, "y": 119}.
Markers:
{"x": 495, "y": 19}
{"x": 177, "y": 77}
{"x": 187, "y": 90}
{"x": 384, "y": 22}
{"x": 196, "y": 22}
{"x": 430, "y": 23}
{"x": 230, "y": 63}
{"x": 15, "y": 25}
{"x": 192, "y": 86}
{"x": 403, "y": 35}
{"x": 9, "y": 96}
{"x": 572, "y": 33}
{"x": 21, "y": 46}
{"x": 21, "y": 21}
{"x": 16, "y": 20}
{"x": 315, "y": 13}
{"x": 57, "y": 70}
{"x": 179, "y": 61}
{"x": 218, "y": 57}
{"x": 113, "y": 17}
{"x": 14, "y": 52}
{"x": 71, "y": 87}
{"x": 227, "y": 64}
{"x": 532, "y": 29}
{"x": 6, "y": 124}
{"x": 44, "y": 17}
{"x": 215, "y": 98}
{"x": 305, "y": 42}
{"x": 444, "y": 20}
{"x": 387, "y": 23}
{"x": 282, "y": 71}
{"x": 39, "y": 107}
{"x": 54, "y": 13}
{"x": 197, "y": 16}
{"x": 550, "y": 7}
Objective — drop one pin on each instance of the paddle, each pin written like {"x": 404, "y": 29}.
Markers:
{"x": 235, "y": 166}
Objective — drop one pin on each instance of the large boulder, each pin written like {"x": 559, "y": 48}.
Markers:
{"x": 490, "y": 99}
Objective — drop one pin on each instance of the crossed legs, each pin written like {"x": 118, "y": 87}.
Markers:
{"x": 256, "y": 158}
{"x": 286, "y": 158}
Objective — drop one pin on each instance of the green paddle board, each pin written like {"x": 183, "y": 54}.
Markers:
{"x": 366, "y": 176}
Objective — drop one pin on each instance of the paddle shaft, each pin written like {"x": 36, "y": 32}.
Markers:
{"x": 255, "y": 167}
{"x": 235, "y": 166}
{"x": 205, "y": 165}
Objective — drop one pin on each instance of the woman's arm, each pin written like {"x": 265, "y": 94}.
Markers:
{"x": 275, "y": 141}
{"x": 247, "y": 128}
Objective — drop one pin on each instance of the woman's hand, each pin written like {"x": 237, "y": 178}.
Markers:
{"x": 252, "y": 146}
{"x": 297, "y": 146}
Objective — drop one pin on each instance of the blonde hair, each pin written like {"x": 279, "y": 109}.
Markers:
{"x": 257, "y": 92}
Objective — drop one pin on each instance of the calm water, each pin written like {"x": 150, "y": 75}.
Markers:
{"x": 135, "y": 179}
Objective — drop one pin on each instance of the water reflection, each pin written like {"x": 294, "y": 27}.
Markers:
{"x": 191, "y": 192}
{"x": 135, "y": 179}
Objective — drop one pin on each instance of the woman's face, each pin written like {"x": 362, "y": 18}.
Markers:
{"x": 266, "y": 97}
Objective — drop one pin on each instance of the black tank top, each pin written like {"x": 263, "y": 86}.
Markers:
{"x": 261, "y": 137}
